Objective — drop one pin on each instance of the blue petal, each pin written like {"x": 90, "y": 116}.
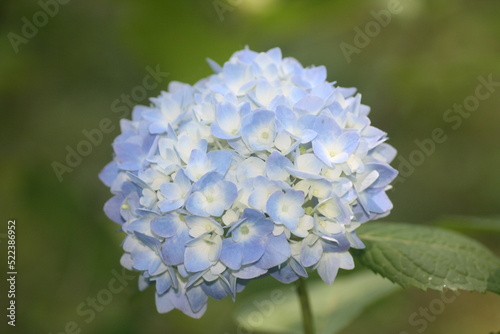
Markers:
{"x": 386, "y": 174}
{"x": 170, "y": 205}
{"x": 231, "y": 254}
{"x": 112, "y": 208}
{"x": 253, "y": 251}
{"x": 129, "y": 156}
{"x": 146, "y": 260}
{"x": 207, "y": 180}
{"x": 216, "y": 289}
{"x": 249, "y": 272}
{"x": 109, "y": 173}
{"x": 335, "y": 243}
{"x": 378, "y": 202}
{"x": 173, "y": 248}
{"x": 297, "y": 267}
{"x": 167, "y": 226}
{"x": 286, "y": 273}
{"x": 153, "y": 243}
{"x": 211, "y": 195}
{"x": 163, "y": 282}
{"x": 286, "y": 208}
{"x": 197, "y": 298}
{"x": 201, "y": 254}
{"x": 277, "y": 251}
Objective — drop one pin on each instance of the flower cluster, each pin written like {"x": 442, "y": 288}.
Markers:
{"x": 263, "y": 168}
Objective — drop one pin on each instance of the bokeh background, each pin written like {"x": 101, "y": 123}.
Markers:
{"x": 65, "y": 78}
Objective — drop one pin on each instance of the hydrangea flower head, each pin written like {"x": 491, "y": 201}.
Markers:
{"x": 263, "y": 168}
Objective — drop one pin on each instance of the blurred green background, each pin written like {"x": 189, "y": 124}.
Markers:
{"x": 65, "y": 78}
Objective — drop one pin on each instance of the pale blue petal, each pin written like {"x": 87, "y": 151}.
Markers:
{"x": 196, "y": 203}
{"x": 220, "y": 161}
{"x": 213, "y": 65}
{"x": 259, "y": 131}
{"x": 347, "y": 142}
{"x": 328, "y": 267}
{"x": 235, "y": 75}
{"x": 163, "y": 302}
{"x": 307, "y": 135}
{"x": 286, "y": 118}
{"x": 228, "y": 119}
{"x": 276, "y": 165}
{"x": 310, "y": 254}
{"x": 309, "y": 104}
{"x": 325, "y": 125}
{"x": 218, "y": 132}
{"x": 182, "y": 181}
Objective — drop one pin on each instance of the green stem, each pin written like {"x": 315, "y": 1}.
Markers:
{"x": 305, "y": 306}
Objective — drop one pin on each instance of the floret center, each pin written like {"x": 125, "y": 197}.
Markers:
{"x": 244, "y": 230}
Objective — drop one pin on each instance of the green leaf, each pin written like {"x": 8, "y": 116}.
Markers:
{"x": 428, "y": 257}
{"x": 333, "y": 306}
{"x": 472, "y": 224}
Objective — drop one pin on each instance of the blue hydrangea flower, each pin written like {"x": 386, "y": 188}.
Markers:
{"x": 261, "y": 169}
